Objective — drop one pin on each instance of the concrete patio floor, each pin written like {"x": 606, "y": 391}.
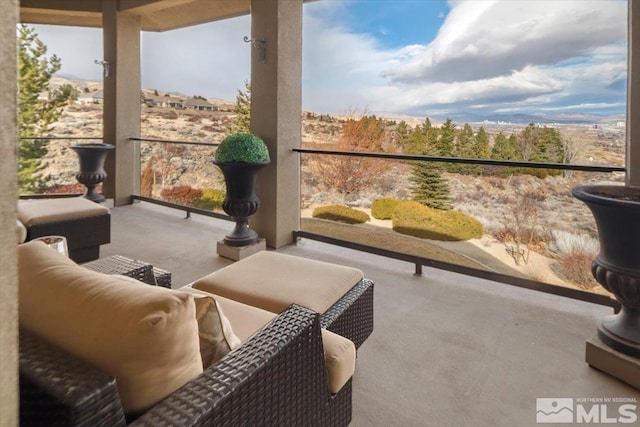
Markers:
{"x": 447, "y": 349}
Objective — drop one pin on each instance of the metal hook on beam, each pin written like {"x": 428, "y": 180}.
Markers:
{"x": 261, "y": 45}
{"x": 106, "y": 67}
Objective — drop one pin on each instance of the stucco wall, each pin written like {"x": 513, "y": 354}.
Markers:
{"x": 8, "y": 189}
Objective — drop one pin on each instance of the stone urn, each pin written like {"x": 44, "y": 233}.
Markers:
{"x": 616, "y": 210}
{"x": 241, "y": 200}
{"x": 91, "y": 158}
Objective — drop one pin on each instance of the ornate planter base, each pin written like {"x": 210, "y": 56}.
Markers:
{"x": 241, "y": 200}
{"x": 620, "y": 331}
{"x": 616, "y": 210}
{"x": 91, "y": 157}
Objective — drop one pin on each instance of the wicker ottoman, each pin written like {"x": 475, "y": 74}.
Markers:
{"x": 273, "y": 281}
{"x": 85, "y": 224}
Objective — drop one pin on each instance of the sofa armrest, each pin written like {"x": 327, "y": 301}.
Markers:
{"x": 277, "y": 377}
{"x": 59, "y": 389}
{"x": 352, "y": 315}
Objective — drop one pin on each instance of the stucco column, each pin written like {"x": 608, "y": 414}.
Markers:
{"x": 633, "y": 97}
{"x": 121, "y": 120}
{"x": 8, "y": 192}
{"x": 276, "y": 110}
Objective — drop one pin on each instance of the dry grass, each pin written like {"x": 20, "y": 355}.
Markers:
{"x": 385, "y": 239}
{"x": 576, "y": 267}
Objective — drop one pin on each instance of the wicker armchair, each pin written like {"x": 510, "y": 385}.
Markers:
{"x": 277, "y": 377}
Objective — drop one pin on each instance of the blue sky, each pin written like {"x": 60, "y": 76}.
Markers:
{"x": 403, "y": 57}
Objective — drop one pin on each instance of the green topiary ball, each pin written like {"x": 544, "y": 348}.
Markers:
{"x": 242, "y": 147}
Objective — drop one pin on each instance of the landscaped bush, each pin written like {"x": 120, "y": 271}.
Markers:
{"x": 212, "y": 198}
{"x": 182, "y": 195}
{"x": 417, "y": 220}
{"x": 383, "y": 208}
{"x": 341, "y": 213}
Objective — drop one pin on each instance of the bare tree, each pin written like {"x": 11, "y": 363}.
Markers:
{"x": 349, "y": 174}
{"x": 520, "y": 221}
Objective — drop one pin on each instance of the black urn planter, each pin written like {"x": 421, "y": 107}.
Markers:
{"x": 241, "y": 200}
{"x": 91, "y": 173}
{"x": 616, "y": 210}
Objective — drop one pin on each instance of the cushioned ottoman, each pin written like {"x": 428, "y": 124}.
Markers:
{"x": 273, "y": 281}
{"x": 85, "y": 224}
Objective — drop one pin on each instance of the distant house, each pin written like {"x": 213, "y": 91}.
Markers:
{"x": 96, "y": 97}
{"x": 200, "y": 104}
{"x": 171, "y": 102}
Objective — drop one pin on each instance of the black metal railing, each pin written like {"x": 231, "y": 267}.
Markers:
{"x": 419, "y": 261}
{"x": 169, "y": 141}
{"x": 187, "y": 209}
{"x": 464, "y": 160}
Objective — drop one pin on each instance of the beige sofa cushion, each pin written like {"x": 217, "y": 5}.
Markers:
{"x": 214, "y": 329}
{"x": 33, "y": 212}
{"x": 145, "y": 336}
{"x": 339, "y": 352}
{"x": 21, "y": 231}
{"x": 273, "y": 281}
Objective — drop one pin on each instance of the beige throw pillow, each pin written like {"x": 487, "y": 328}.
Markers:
{"x": 214, "y": 330}
{"x": 145, "y": 336}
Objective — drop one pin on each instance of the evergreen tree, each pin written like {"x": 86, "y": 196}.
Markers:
{"x": 36, "y": 113}
{"x": 465, "y": 148}
{"x": 505, "y": 149}
{"x": 482, "y": 149}
{"x": 402, "y": 134}
{"x": 427, "y": 184}
{"x": 431, "y": 134}
{"x": 447, "y": 138}
{"x": 242, "y": 121}
{"x": 415, "y": 142}
{"x": 548, "y": 148}
{"x": 465, "y": 142}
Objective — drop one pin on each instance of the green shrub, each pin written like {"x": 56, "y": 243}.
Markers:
{"x": 341, "y": 213}
{"x": 212, "y": 198}
{"x": 417, "y": 220}
{"x": 383, "y": 208}
{"x": 242, "y": 147}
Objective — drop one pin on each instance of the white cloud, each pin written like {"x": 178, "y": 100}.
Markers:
{"x": 519, "y": 55}
{"x": 488, "y": 56}
{"x": 482, "y": 39}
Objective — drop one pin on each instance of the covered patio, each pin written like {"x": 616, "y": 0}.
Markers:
{"x": 447, "y": 349}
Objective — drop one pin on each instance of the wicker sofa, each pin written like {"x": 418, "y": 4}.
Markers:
{"x": 278, "y": 376}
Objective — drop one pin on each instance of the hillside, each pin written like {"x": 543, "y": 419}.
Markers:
{"x": 491, "y": 199}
